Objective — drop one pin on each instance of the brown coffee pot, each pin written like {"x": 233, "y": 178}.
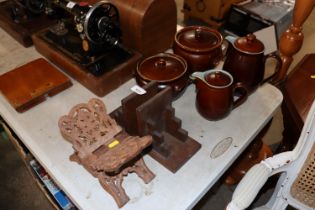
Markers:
{"x": 245, "y": 60}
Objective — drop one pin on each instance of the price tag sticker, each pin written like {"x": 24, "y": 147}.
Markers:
{"x": 70, "y": 4}
{"x": 139, "y": 90}
{"x": 113, "y": 144}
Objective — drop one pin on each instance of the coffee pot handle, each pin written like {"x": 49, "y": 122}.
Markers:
{"x": 243, "y": 94}
{"x": 227, "y": 41}
{"x": 277, "y": 68}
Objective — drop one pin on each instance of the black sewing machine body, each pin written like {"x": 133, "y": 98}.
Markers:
{"x": 90, "y": 36}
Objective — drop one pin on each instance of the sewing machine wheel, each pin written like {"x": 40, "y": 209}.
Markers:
{"x": 101, "y": 24}
{"x": 36, "y": 6}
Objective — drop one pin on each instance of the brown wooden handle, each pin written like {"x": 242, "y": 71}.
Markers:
{"x": 244, "y": 94}
{"x": 277, "y": 68}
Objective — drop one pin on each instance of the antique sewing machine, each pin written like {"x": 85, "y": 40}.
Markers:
{"x": 100, "y": 44}
{"x": 91, "y": 37}
{"x": 22, "y": 18}
{"x": 87, "y": 45}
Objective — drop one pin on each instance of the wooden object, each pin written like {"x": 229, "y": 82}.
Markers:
{"x": 148, "y": 26}
{"x": 22, "y": 31}
{"x": 99, "y": 85}
{"x": 152, "y": 114}
{"x": 103, "y": 148}
{"x": 28, "y": 85}
{"x": 296, "y": 89}
{"x": 210, "y": 12}
{"x": 291, "y": 41}
{"x": 299, "y": 93}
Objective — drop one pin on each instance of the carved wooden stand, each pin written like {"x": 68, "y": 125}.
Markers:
{"x": 103, "y": 148}
{"x": 152, "y": 114}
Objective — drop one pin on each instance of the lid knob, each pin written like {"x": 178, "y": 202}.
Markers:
{"x": 249, "y": 44}
{"x": 197, "y": 33}
{"x": 161, "y": 63}
{"x": 250, "y": 37}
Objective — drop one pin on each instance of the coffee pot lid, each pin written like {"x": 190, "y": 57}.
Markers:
{"x": 198, "y": 38}
{"x": 163, "y": 67}
{"x": 249, "y": 44}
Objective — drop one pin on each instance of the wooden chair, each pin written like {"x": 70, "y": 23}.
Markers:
{"x": 103, "y": 148}
{"x": 296, "y": 186}
{"x": 298, "y": 89}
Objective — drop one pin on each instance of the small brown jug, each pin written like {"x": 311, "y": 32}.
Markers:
{"x": 215, "y": 93}
{"x": 245, "y": 60}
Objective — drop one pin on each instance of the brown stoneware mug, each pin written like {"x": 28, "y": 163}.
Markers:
{"x": 245, "y": 60}
{"x": 215, "y": 93}
{"x": 200, "y": 46}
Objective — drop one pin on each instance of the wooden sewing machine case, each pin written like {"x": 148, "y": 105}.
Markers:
{"x": 148, "y": 26}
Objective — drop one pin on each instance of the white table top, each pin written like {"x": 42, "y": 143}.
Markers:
{"x": 38, "y": 130}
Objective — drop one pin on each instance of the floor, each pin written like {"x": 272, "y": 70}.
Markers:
{"x": 18, "y": 189}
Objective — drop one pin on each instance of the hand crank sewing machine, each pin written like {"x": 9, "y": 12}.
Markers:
{"x": 88, "y": 46}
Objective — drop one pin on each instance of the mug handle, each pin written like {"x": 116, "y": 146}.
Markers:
{"x": 244, "y": 94}
{"x": 277, "y": 69}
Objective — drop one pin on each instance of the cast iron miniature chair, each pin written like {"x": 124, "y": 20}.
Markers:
{"x": 103, "y": 148}
{"x": 296, "y": 185}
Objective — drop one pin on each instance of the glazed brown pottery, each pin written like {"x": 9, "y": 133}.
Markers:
{"x": 215, "y": 92}
{"x": 166, "y": 69}
{"x": 200, "y": 46}
{"x": 245, "y": 60}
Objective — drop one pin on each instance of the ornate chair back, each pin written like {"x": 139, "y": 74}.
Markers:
{"x": 88, "y": 127}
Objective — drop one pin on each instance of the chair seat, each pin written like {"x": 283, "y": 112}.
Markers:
{"x": 300, "y": 83}
{"x": 127, "y": 148}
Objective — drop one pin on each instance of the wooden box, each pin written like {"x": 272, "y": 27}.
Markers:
{"x": 99, "y": 85}
{"x": 148, "y": 26}
{"x": 30, "y": 84}
{"x": 209, "y": 11}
